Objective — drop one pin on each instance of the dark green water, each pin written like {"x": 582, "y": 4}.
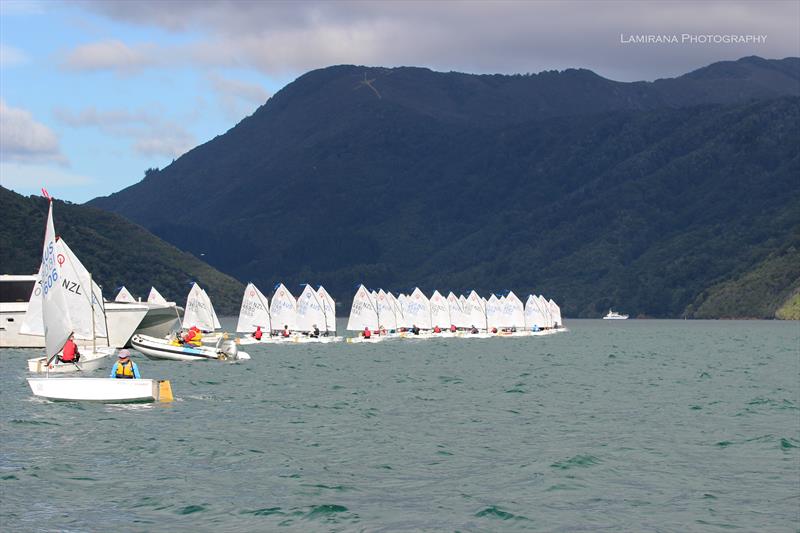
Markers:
{"x": 633, "y": 426}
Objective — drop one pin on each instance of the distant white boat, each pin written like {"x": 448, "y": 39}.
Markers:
{"x": 153, "y": 348}
{"x": 613, "y": 315}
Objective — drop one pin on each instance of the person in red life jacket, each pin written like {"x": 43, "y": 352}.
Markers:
{"x": 70, "y": 353}
{"x": 367, "y": 333}
{"x": 286, "y": 331}
{"x": 494, "y": 330}
{"x": 257, "y": 333}
{"x": 452, "y": 328}
{"x": 191, "y": 334}
{"x": 437, "y": 329}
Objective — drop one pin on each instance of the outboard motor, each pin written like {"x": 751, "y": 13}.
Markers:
{"x": 229, "y": 348}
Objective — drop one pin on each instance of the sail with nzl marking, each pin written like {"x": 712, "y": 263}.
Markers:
{"x": 283, "y": 308}
{"x": 124, "y": 296}
{"x": 440, "y": 311}
{"x": 310, "y": 312}
{"x": 363, "y": 312}
{"x": 477, "y": 311}
{"x": 84, "y": 297}
{"x": 328, "y": 308}
{"x": 155, "y": 297}
{"x": 254, "y": 312}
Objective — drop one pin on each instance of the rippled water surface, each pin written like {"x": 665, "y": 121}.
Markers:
{"x": 636, "y": 425}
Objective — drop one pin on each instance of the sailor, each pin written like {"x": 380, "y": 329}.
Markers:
{"x": 193, "y": 335}
{"x": 414, "y": 329}
{"x": 437, "y": 329}
{"x": 257, "y": 333}
{"x": 70, "y": 354}
{"x": 286, "y": 331}
{"x": 125, "y": 368}
{"x": 315, "y": 333}
{"x": 473, "y": 330}
{"x": 367, "y": 333}
{"x": 452, "y": 328}
{"x": 494, "y": 330}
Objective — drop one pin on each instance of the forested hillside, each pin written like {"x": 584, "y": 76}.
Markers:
{"x": 648, "y": 197}
{"x": 116, "y": 252}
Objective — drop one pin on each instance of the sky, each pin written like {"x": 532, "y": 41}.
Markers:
{"x": 94, "y": 93}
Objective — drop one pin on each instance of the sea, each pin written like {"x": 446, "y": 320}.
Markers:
{"x": 637, "y": 425}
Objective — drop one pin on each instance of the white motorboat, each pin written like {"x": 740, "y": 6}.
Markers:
{"x": 16, "y": 292}
{"x": 89, "y": 360}
{"x": 613, "y": 315}
{"x": 107, "y": 390}
{"x": 155, "y": 348}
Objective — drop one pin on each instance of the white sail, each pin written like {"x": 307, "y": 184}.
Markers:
{"x": 329, "y": 308}
{"x": 83, "y": 296}
{"x": 254, "y": 311}
{"x": 363, "y": 312}
{"x": 476, "y": 309}
{"x": 514, "y": 311}
{"x": 155, "y": 297}
{"x": 548, "y": 315}
{"x": 309, "y": 311}
{"x": 456, "y": 311}
{"x": 555, "y": 312}
{"x": 214, "y": 318}
{"x": 534, "y": 316}
{"x": 397, "y": 310}
{"x": 417, "y": 310}
{"x": 32, "y": 323}
{"x": 197, "y": 312}
{"x": 494, "y": 312}
{"x": 55, "y": 317}
{"x": 387, "y": 318}
{"x": 283, "y": 308}
{"x": 124, "y": 296}
{"x": 402, "y": 319}
{"x": 440, "y": 311}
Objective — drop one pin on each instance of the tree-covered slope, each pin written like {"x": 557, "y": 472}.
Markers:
{"x": 116, "y": 251}
{"x": 594, "y": 192}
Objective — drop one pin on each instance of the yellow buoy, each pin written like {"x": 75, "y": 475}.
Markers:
{"x": 164, "y": 391}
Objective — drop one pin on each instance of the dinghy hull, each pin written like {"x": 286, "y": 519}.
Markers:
{"x": 101, "y": 390}
{"x": 89, "y": 361}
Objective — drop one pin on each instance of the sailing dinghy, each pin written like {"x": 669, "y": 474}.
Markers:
{"x": 59, "y": 321}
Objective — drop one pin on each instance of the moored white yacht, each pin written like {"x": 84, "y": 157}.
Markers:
{"x": 613, "y": 315}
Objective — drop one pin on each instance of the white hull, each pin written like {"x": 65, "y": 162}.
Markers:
{"x": 622, "y": 317}
{"x": 362, "y": 340}
{"x": 123, "y": 319}
{"x": 160, "y": 320}
{"x": 98, "y": 389}
{"x": 89, "y": 361}
{"x": 164, "y": 349}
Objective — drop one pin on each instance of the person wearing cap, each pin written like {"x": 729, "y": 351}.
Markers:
{"x": 124, "y": 368}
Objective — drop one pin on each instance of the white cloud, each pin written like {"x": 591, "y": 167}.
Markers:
{"x": 112, "y": 55}
{"x": 149, "y": 133}
{"x": 237, "y": 98}
{"x": 24, "y": 140}
{"x": 11, "y": 57}
{"x": 31, "y": 178}
{"x": 501, "y": 36}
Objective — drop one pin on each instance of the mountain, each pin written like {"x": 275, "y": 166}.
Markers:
{"x": 593, "y": 192}
{"x": 116, "y": 252}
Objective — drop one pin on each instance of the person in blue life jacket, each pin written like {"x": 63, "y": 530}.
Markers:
{"x": 124, "y": 368}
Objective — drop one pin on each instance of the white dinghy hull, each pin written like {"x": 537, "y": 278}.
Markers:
{"x": 101, "y": 389}
{"x": 89, "y": 361}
